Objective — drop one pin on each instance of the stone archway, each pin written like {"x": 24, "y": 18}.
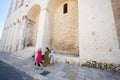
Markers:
{"x": 32, "y": 26}
{"x": 64, "y": 26}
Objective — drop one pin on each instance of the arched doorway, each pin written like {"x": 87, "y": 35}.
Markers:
{"x": 64, "y": 26}
{"x": 32, "y": 26}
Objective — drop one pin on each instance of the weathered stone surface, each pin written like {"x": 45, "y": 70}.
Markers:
{"x": 71, "y": 75}
{"x": 103, "y": 66}
{"x": 87, "y": 31}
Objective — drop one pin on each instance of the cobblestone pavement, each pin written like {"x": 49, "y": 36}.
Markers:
{"x": 59, "y": 71}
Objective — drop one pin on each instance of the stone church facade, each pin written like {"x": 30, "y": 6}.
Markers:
{"x": 78, "y": 30}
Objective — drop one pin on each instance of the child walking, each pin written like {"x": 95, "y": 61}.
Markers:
{"x": 38, "y": 59}
{"x": 52, "y": 57}
{"x": 51, "y": 60}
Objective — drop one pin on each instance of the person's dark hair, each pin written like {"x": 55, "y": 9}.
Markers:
{"x": 47, "y": 48}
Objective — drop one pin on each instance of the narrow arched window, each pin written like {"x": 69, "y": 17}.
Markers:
{"x": 65, "y": 8}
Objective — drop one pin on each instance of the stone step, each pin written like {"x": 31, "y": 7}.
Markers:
{"x": 24, "y": 54}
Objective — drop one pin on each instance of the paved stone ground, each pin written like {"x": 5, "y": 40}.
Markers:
{"x": 59, "y": 71}
{"x": 10, "y": 73}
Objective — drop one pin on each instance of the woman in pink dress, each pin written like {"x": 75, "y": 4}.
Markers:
{"x": 39, "y": 58}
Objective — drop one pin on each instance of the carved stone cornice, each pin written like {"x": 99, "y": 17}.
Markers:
{"x": 29, "y": 21}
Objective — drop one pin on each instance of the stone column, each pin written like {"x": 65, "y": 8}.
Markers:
{"x": 22, "y": 37}
{"x": 10, "y": 9}
{"x": 8, "y": 38}
{"x": 11, "y": 38}
{"x": 47, "y": 33}
{"x": 43, "y": 35}
{"x": 13, "y": 6}
{"x": 15, "y": 38}
{"x": 2, "y": 40}
{"x": 5, "y": 43}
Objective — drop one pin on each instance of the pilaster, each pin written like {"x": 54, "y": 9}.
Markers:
{"x": 43, "y": 35}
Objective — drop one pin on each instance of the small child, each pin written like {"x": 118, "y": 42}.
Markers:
{"x": 51, "y": 60}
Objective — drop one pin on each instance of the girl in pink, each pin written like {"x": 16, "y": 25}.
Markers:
{"x": 52, "y": 53}
{"x": 51, "y": 60}
{"x": 39, "y": 58}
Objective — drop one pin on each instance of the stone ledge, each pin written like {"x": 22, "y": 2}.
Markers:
{"x": 103, "y": 66}
{"x": 67, "y": 59}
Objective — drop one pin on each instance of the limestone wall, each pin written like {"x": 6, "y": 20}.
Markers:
{"x": 65, "y": 29}
{"x": 94, "y": 35}
{"x": 15, "y": 23}
{"x": 97, "y": 33}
